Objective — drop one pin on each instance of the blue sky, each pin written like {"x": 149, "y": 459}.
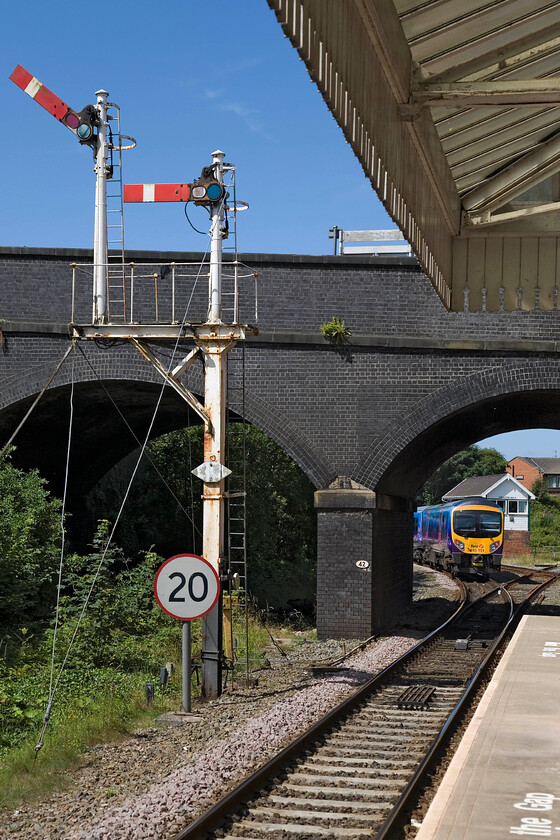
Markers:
{"x": 189, "y": 77}
{"x": 187, "y": 83}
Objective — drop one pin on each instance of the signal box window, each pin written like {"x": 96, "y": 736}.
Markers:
{"x": 517, "y": 506}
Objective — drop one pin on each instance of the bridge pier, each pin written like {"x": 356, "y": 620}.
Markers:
{"x": 352, "y": 527}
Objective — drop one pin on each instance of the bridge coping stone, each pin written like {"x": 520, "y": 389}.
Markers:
{"x": 341, "y": 499}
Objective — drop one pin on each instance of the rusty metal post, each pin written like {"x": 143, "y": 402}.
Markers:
{"x": 215, "y": 352}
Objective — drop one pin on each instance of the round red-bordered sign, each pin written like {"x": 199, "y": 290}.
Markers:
{"x": 186, "y": 586}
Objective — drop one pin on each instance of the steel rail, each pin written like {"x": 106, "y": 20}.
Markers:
{"x": 211, "y": 818}
{"x": 440, "y": 740}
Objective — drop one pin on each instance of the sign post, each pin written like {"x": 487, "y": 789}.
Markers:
{"x": 186, "y": 587}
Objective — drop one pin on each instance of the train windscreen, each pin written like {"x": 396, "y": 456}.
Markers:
{"x": 477, "y": 523}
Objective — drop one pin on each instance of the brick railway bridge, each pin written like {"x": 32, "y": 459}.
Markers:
{"x": 367, "y": 422}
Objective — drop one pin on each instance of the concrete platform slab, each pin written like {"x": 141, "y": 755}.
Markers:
{"x": 504, "y": 780}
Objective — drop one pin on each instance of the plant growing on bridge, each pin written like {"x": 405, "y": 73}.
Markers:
{"x": 335, "y": 331}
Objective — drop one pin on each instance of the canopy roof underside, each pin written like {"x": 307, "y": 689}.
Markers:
{"x": 453, "y": 109}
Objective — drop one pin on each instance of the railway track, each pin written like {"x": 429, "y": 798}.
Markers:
{"x": 354, "y": 773}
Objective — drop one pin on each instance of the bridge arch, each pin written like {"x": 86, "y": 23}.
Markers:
{"x": 502, "y": 398}
{"x": 108, "y": 390}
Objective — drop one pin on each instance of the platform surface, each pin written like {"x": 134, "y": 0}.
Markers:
{"x": 504, "y": 780}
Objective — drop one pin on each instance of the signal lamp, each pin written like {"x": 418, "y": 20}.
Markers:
{"x": 207, "y": 189}
{"x": 82, "y": 123}
{"x": 84, "y": 131}
{"x": 72, "y": 120}
{"x": 214, "y": 191}
{"x": 207, "y": 192}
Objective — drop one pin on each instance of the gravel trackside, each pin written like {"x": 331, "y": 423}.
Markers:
{"x": 154, "y": 782}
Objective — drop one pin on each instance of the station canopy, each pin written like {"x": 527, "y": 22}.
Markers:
{"x": 453, "y": 109}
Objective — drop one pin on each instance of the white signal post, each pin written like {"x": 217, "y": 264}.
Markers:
{"x": 215, "y": 347}
{"x": 100, "y": 227}
{"x": 81, "y": 125}
{"x": 215, "y": 295}
{"x": 214, "y": 339}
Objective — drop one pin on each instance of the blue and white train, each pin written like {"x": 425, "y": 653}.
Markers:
{"x": 463, "y": 537}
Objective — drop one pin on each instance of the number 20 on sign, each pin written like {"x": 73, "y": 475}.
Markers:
{"x": 186, "y": 586}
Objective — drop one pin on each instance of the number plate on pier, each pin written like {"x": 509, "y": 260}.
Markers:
{"x": 186, "y": 586}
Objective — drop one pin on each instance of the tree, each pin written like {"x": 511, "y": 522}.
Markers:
{"x": 281, "y": 524}
{"x": 464, "y": 464}
{"x": 545, "y": 516}
{"x": 29, "y": 553}
{"x": 540, "y": 489}
{"x": 281, "y": 540}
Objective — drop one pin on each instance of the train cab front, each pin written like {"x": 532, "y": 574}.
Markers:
{"x": 477, "y": 538}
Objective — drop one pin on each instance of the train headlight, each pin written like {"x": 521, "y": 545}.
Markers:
{"x": 460, "y": 545}
{"x": 495, "y": 545}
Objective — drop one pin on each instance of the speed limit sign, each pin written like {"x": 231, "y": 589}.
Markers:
{"x": 186, "y": 586}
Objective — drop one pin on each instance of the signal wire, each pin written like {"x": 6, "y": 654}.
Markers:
{"x": 139, "y": 442}
{"x": 196, "y": 230}
{"x": 47, "y": 714}
{"x": 117, "y": 519}
{"x": 36, "y": 400}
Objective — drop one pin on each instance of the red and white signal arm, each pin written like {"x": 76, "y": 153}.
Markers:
{"x": 156, "y": 192}
{"x": 186, "y": 586}
{"x": 80, "y": 123}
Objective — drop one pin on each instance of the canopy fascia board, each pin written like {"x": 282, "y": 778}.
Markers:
{"x": 358, "y": 56}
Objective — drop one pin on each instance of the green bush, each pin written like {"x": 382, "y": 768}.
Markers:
{"x": 545, "y": 523}
{"x": 123, "y": 626}
{"x": 29, "y": 556}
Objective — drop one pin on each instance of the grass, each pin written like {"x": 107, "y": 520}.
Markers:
{"x": 519, "y": 560}
{"x": 22, "y": 778}
{"x": 99, "y": 707}
{"x": 537, "y": 557}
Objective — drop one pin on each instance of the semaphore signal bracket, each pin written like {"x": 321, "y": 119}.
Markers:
{"x": 214, "y": 339}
